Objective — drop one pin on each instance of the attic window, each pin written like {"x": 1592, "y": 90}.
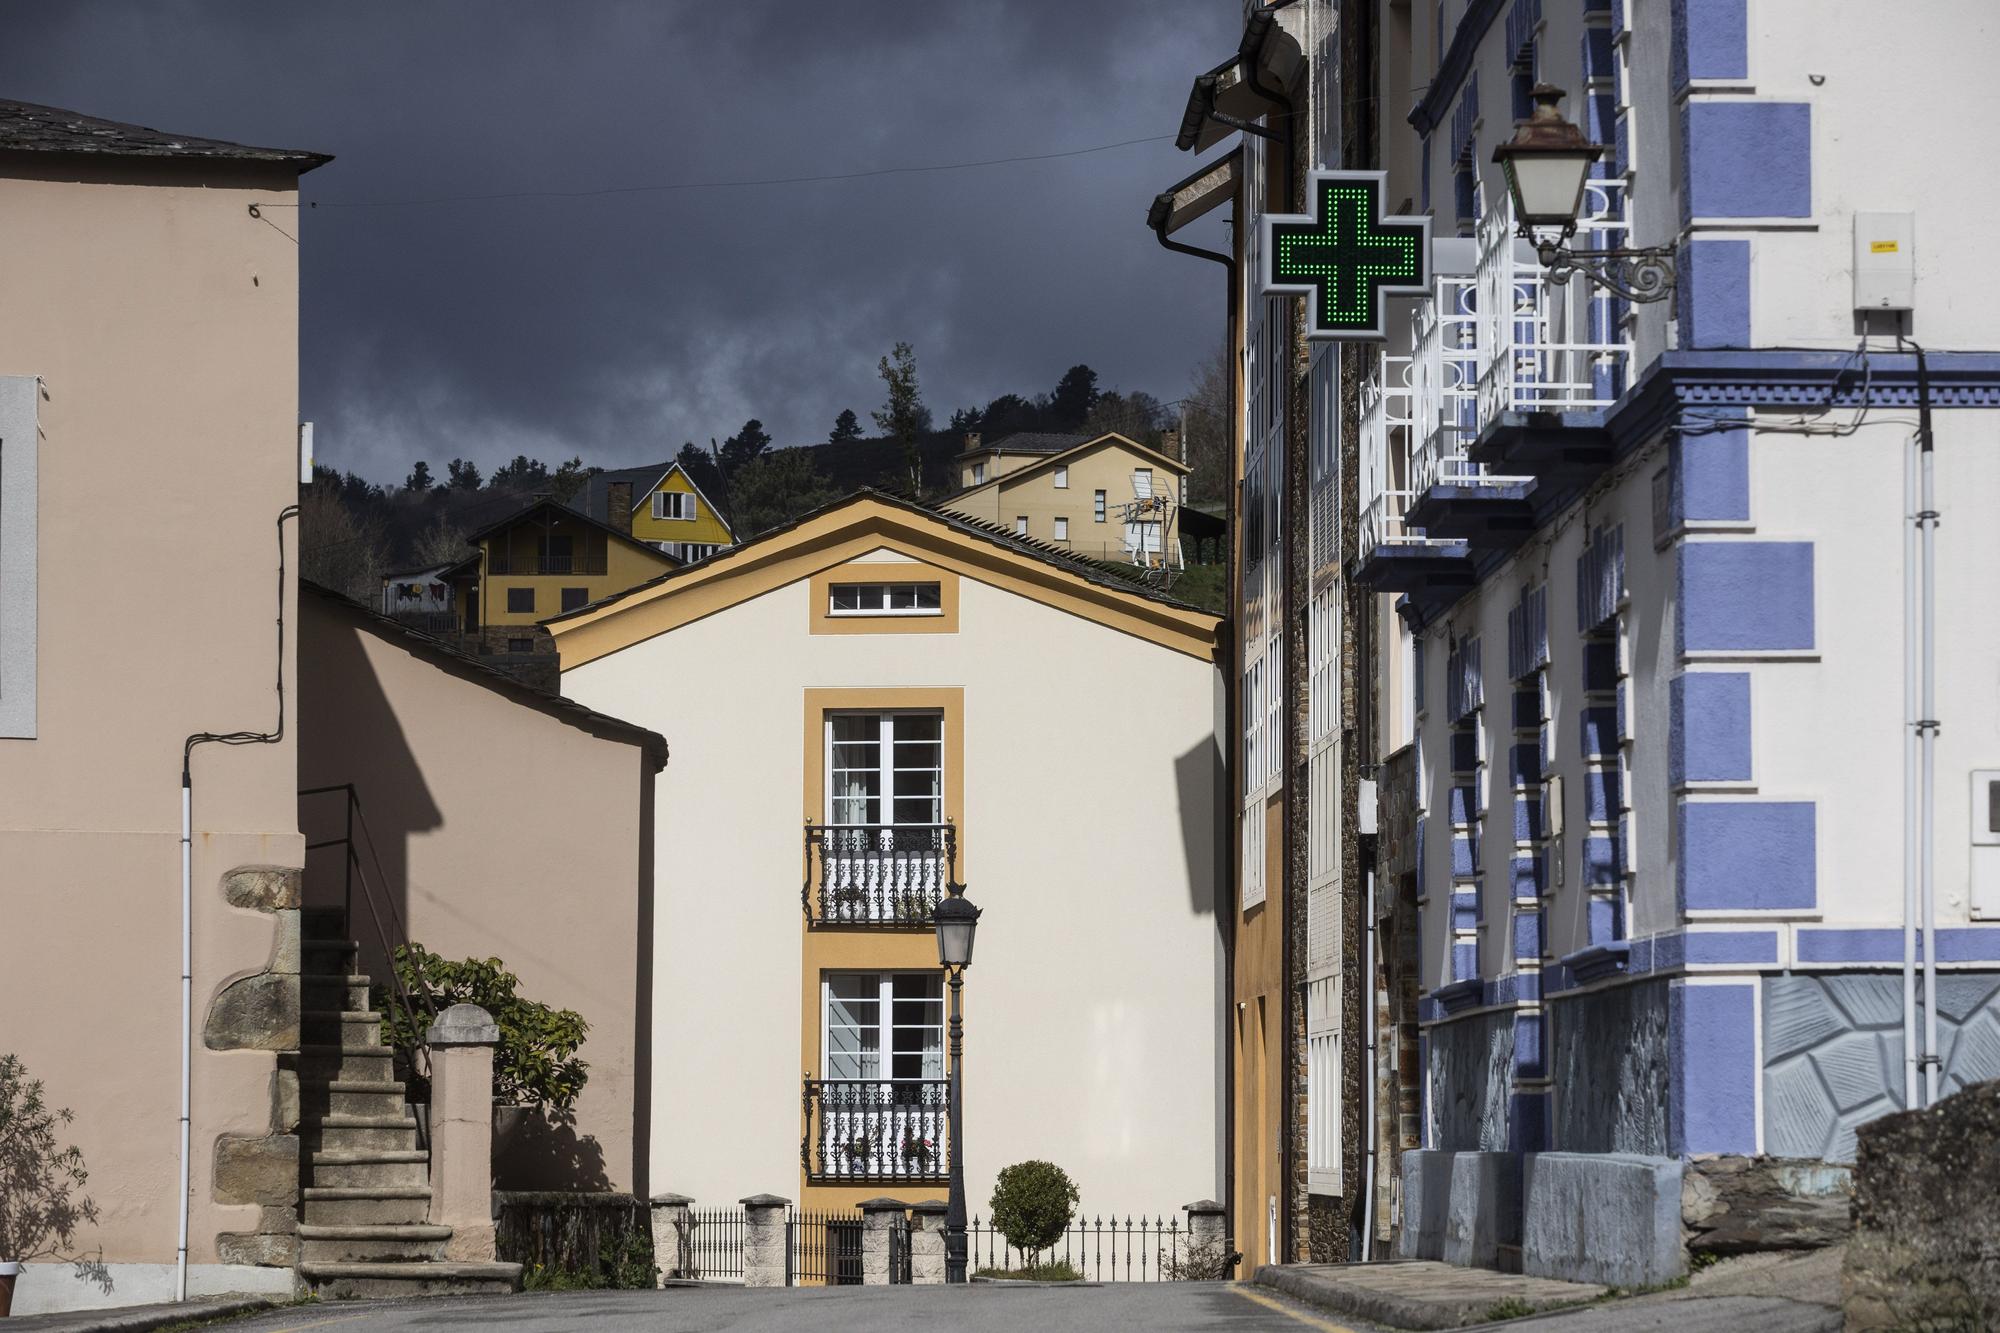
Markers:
{"x": 673, "y": 504}
{"x": 885, "y": 599}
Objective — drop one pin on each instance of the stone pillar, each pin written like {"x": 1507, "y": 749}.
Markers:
{"x": 1208, "y": 1229}
{"x": 927, "y": 1243}
{"x": 766, "y": 1247}
{"x": 462, "y": 1040}
{"x": 673, "y": 1237}
{"x": 877, "y": 1217}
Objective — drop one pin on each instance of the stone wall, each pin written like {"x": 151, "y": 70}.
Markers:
{"x": 1737, "y": 1205}
{"x": 1472, "y": 1061}
{"x": 1609, "y": 1060}
{"x": 1833, "y": 1053}
{"x": 1926, "y": 1213}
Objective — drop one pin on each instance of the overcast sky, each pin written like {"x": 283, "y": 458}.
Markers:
{"x": 617, "y": 326}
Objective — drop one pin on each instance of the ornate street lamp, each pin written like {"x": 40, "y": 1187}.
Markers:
{"x": 957, "y": 921}
{"x": 1547, "y": 164}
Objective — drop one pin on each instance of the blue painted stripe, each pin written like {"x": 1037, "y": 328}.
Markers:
{"x": 1464, "y": 909}
{"x": 1603, "y": 920}
{"x": 1602, "y": 865}
{"x": 1527, "y": 820}
{"x": 1747, "y": 947}
{"x": 1746, "y": 160}
{"x": 1711, "y": 472}
{"x": 1956, "y": 944}
{"x": 1712, "y": 1085}
{"x": 1708, "y": 727}
{"x": 1527, "y": 936}
{"x": 1464, "y": 857}
{"x": 1747, "y": 855}
{"x": 1745, "y": 596}
{"x": 1524, "y": 764}
{"x": 1712, "y": 294}
{"x": 1711, "y": 40}
{"x": 1597, "y": 731}
{"x": 1527, "y": 709}
{"x": 1527, "y": 877}
{"x": 1528, "y": 1046}
{"x": 1464, "y": 961}
{"x": 1601, "y": 795}
{"x": 1600, "y": 665}
{"x": 1463, "y": 801}
{"x": 1464, "y": 751}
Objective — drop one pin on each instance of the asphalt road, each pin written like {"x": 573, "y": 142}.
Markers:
{"x": 980, "y": 1308}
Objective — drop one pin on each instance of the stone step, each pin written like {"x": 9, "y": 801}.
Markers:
{"x": 354, "y": 1133}
{"x": 405, "y": 1242}
{"x": 325, "y": 950}
{"x": 366, "y": 1205}
{"x": 350, "y": 1027}
{"x": 355, "y": 1281}
{"x": 344, "y": 1097}
{"x": 323, "y": 923}
{"x": 370, "y": 1168}
{"x": 320, "y": 1062}
{"x": 334, "y": 992}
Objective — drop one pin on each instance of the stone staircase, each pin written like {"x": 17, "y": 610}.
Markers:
{"x": 364, "y": 1228}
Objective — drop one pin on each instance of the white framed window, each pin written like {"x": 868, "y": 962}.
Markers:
{"x": 978, "y": 474}
{"x": 1021, "y": 525}
{"x": 882, "y": 599}
{"x": 673, "y": 504}
{"x": 1062, "y": 478}
{"x": 19, "y": 444}
{"x": 1142, "y": 483}
{"x": 885, "y": 769}
{"x": 1097, "y": 506}
{"x": 1062, "y": 529}
{"x": 882, "y": 1026}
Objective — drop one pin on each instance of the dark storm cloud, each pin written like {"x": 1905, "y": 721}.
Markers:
{"x": 616, "y": 326}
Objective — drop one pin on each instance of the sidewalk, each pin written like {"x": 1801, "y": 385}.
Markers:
{"x": 139, "y": 1318}
{"x": 1771, "y": 1293}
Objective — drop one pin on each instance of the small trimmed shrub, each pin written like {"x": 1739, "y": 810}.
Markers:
{"x": 535, "y": 1063}
{"x": 1032, "y": 1205}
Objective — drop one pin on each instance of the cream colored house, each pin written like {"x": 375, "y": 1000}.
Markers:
{"x": 1104, "y": 497}
{"x": 864, "y": 706}
{"x": 154, "y": 336}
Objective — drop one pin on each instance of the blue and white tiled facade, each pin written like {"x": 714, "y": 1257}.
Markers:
{"x": 1654, "y": 666}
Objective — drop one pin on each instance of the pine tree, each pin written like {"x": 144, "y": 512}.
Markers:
{"x": 845, "y": 427}
{"x": 419, "y": 479}
{"x": 903, "y": 415}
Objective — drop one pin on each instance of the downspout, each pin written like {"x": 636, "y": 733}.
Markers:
{"x": 1927, "y": 724}
{"x": 271, "y": 737}
{"x": 1157, "y": 218}
{"x": 1912, "y": 1058}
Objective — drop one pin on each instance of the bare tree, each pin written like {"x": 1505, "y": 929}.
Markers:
{"x": 1207, "y": 439}
{"x": 337, "y": 550}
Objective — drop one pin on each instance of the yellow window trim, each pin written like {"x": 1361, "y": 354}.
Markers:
{"x": 821, "y": 620}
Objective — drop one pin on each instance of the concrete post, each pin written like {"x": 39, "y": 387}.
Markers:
{"x": 1207, "y": 1227}
{"x": 766, "y": 1249}
{"x": 927, "y": 1243}
{"x": 878, "y": 1216}
{"x": 673, "y": 1237}
{"x": 461, "y": 1040}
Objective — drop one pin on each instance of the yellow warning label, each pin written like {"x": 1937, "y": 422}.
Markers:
{"x": 1882, "y": 247}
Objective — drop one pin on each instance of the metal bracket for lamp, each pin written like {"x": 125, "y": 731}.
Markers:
{"x": 1638, "y": 274}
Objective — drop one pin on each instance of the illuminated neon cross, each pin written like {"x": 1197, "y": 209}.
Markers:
{"x": 1346, "y": 255}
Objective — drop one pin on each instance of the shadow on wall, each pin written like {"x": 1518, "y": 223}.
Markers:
{"x": 535, "y": 1149}
{"x": 1201, "y": 780}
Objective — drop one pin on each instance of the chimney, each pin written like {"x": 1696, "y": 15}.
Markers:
{"x": 973, "y": 440}
{"x": 1170, "y": 445}
{"x": 618, "y": 506}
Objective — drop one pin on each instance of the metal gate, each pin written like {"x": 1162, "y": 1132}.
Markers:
{"x": 822, "y": 1249}
{"x": 899, "y": 1251}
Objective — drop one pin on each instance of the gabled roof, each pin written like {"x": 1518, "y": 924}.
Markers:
{"x": 564, "y": 511}
{"x": 861, "y": 522}
{"x": 1052, "y": 460}
{"x": 27, "y": 127}
{"x": 1029, "y": 442}
{"x": 595, "y": 499}
{"x": 470, "y": 668}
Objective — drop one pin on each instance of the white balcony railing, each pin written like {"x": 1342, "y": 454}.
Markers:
{"x": 1444, "y": 381}
{"x": 1549, "y": 347}
{"x": 1385, "y": 453}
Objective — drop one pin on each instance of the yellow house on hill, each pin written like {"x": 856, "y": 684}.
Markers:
{"x": 1105, "y": 497}
{"x": 659, "y": 504}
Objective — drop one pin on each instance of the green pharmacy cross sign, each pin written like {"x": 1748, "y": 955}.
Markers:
{"x": 1346, "y": 255}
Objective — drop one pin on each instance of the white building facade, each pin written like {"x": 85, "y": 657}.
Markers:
{"x": 1657, "y": 580}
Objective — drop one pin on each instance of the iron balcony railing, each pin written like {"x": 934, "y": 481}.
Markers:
{"x": 877, "y": 875}
{"x": 430, "y": 622}
{"x": 546, "y": 562}
{"x": 876, "y": 1129}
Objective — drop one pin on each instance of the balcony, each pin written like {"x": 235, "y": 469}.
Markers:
{"x": 864, "y": 1130}
{"x": 878, "y": 876}
{"x": 546, "y": 562}
{"x": 1457, "y": 436}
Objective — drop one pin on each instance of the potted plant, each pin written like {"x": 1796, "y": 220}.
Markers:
{"x": 39, "y": 1207}
{"x": 919, "y": 1153}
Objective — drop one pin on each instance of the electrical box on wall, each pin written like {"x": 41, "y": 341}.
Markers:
{"x": 1985, "y": 887}
{"x": 1885, "y": 261}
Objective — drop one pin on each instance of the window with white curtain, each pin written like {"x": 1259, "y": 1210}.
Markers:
{"x": 883, "y": 1026}
{"x": 885, "y": 769}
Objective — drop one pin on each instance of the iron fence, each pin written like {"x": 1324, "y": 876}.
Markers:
{"x": 708, "y": 1246}
{"x": 877, "y": 875}
{"x": 876, "y": 1129}
{"x": 1099, "y": 1249}
{"x": 822, "y": 1249}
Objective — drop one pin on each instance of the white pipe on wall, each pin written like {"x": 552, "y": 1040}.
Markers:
{"x": 1928, "y": 743}
{"x": 187, "y": 1021}
{"x": 1911, "y": 1063}
{"x": 1372, "y": 1020}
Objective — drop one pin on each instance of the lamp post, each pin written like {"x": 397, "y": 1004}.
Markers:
{"x": 1547, "y": 164}
{"x": 957, "y": 921}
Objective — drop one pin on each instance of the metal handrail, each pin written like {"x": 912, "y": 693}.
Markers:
{"x": 880, "y": 876}
{"x": 390, "y": 936}
{"x": 876, "y": 1129}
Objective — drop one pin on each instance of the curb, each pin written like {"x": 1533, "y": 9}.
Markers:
{"x": 143, "y": 1318}
{"x": 1395, "y": 1311}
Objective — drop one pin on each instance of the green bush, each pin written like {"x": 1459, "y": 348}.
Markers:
{"x": 1059, "y": 1271}
{"x": 627, "y": 1266}
{"x": 1032, "y": 1205}
{"x": 535, "y": 1063}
